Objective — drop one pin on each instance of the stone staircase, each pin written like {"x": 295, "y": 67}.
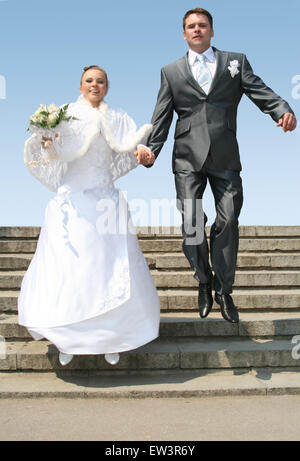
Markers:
{"x": 191, "y": 357}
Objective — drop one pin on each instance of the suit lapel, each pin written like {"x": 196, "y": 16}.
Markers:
{"x": 184, "y": 68}
{"x": 221, "y": 60}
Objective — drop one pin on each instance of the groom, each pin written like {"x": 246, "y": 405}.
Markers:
{"x": 204, "y": 88}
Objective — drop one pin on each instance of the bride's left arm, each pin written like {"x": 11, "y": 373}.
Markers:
{"x": 43, "y": 163}
{"x": 123, "y": 135}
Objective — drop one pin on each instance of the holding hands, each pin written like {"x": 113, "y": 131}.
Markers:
{"x": 144, "y": 155}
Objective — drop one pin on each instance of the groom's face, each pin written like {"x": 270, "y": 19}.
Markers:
{"x": 198, "y": 32}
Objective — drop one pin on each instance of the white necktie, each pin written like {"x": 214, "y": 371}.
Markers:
{"x": 204, "y": 77}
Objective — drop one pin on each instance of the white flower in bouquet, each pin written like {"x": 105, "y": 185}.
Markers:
{"x": 41, "y": 118}
{"x": 42, "y": 108}
{"x": 34, "y": 118}
{"x": 48, "y": 117}
{"x": 53, "y": 108}
{"x": 52, "y": 119}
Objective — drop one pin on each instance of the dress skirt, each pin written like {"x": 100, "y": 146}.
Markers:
{"x": 86, "y": 291}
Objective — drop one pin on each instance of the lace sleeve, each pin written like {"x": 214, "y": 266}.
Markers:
{"x": 123, "y": 137}
{"x": 44, "y": 164}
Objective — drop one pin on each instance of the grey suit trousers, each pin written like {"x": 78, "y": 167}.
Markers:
{"x": 227, "y": 189}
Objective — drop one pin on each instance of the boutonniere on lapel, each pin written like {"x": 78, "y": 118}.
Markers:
{"x": 234, "y": 68}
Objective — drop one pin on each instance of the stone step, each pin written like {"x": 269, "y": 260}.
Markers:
{"x": 244, "y": 231}
{"x": 18, "y": 246}
{"x": 190, "y": 325}
{"x": 245, "y": 245}
{"x": 159, "y": 245}
{"x": 184, "y": 279}
{"x": 11, "y": 280}
{"x": 9, "y": 301}
{"x": 173, "y": 261}
{"x": 162, "y": 354}
{"x": 17, "y": 261}
{"x": 32, "y": 232}
{"x": 187, "y": 300}
{"x": 19, "y": 232}
{"x": 249, "y": 300}
{"x": 204, "y": 383}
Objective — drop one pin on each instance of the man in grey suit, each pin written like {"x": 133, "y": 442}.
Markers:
{"x": 204, "y": 88}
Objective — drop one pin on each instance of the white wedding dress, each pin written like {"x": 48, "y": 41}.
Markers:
{"x": 88, "y": 288}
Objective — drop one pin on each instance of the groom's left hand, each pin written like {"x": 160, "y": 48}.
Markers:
{"x": 288, "y": 122}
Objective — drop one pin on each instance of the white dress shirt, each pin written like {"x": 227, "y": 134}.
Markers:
{"x": 210, "y": 60}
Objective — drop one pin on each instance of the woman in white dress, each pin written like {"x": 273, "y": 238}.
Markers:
{"x": 88, "y": 288}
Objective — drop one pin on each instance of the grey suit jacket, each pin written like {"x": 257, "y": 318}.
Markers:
{"x": 207, "y": 122}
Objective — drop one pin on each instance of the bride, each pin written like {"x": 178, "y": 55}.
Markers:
{"x": 88, "y": 288}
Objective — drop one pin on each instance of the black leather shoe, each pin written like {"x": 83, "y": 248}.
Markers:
{"x": 205, "y": 299}
{"x": 228, "y": 309}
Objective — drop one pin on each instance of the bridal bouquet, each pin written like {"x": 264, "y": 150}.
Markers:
{"x": 48, "y": 117}
{"x": 45, "y": 120}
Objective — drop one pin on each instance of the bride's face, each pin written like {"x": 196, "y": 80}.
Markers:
{"x": 94, "y": 86}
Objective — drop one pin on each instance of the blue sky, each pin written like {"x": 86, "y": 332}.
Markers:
{"x": 45, "y": 45}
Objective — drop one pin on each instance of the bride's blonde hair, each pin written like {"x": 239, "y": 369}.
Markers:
{"x": 85, "y": 69}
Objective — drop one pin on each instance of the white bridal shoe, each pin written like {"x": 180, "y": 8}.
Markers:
{"x": 64, "y": 359}
{"x": 112, "y": 358}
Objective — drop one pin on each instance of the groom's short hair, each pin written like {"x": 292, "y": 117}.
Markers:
{"x": 198, "y": 11}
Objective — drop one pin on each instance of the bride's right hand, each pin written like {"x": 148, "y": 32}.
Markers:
{"x": 46, "y": 142}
